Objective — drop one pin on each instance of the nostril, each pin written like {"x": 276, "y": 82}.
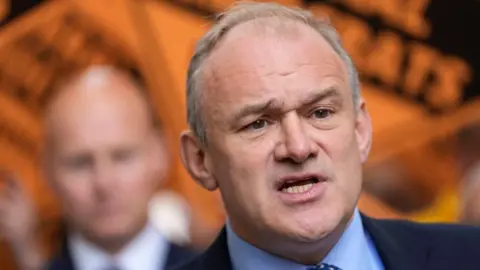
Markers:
{"x": 298, "y": 159}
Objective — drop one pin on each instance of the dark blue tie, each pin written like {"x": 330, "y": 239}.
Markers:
{"x": 323, "y": 266}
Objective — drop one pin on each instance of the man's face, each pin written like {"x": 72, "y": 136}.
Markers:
{"x": 104, "y": 162}
{"x": 285, "y": 145}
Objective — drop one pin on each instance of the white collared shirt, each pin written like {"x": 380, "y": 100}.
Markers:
{"x": 147, "y": 251}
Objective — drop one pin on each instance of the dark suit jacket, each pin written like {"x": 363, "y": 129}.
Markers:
{"x": 176, "y": 255}
{"x": 402, "y": 245}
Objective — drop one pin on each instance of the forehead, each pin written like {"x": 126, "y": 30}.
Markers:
{"x": 294, "y": 40}
{"x": 251, "y": 63}
{"x": 84, "y": 119}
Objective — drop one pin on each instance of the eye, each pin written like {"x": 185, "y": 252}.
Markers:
{"x": 123, "y": 155}
{"x": 257, "y": 125}
{"x": 76, "y": 163}
{"x": 321, "y": 113}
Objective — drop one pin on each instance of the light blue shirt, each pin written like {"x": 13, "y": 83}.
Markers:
{"x": 354, "y": 251}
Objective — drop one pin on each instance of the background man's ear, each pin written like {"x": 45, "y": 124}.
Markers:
{"x": 161, "y": 157}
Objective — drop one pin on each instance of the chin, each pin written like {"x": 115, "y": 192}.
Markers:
{"x": 118, "y": 229}
{"x": 112, "y": 232}
{"x": 310, "y": 231}
{"x": 312, "y": 226}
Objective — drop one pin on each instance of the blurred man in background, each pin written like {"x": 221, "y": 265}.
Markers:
{"x": 105, "y": 156}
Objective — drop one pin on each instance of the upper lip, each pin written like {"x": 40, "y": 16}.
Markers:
{"x": 292, "y": 178}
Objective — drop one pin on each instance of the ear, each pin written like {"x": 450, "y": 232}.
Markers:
{"x": 363, "y": 130}
{"x": 45, "y": 161}
{"x": 196, "y": 161}
{"x": 161, "y": 156}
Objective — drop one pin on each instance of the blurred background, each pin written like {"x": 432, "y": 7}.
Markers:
{"x": 419, "y": 64}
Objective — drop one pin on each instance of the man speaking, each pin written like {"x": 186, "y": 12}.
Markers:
{"x": 278, "y": 124}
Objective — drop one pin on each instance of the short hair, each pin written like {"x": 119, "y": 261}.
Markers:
{"x": 240, "y": 13}
{"x": 131, "y": 74}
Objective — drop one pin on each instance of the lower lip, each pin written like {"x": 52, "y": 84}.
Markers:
{"x": 315, "y": 192}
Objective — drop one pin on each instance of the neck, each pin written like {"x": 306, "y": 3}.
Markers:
{"x": 302, "y": 252}
{"x": 114, "y": 244}
{"x": 111, "y": 246}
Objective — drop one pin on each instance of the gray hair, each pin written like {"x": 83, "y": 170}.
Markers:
{"x": 245, "y": 12}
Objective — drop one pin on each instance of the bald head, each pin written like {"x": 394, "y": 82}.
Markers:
{"x": 96, "y": 91}
{"x": 104, "y": 158}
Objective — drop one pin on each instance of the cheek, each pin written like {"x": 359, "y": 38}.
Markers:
{"x": 75, "y": 194}
{"x": 241, "y": 168}
{"x": 346, "y": 162}
{"x": 339, "y": 144}
{"x": 134, "y": 196}
{"x": 245, "y": 158}
{"x": 138, "y": 193}
{"x": 136, "y": 176}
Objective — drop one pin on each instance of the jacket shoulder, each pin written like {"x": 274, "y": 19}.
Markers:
{"x": 452, "y": 245}
{"x": 436, "y": 232}
{"x": 61, "y": 260}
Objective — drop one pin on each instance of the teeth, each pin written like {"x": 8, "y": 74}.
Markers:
{"x": 298, "y": 189}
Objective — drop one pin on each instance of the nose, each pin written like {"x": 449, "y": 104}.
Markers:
{"x": 296, "y": 145}
{"x": 104, "y": 178}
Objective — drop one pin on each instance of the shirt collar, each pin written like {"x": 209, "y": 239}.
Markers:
{"x": 148, "y": 250}
{"x": 353, "y": 245}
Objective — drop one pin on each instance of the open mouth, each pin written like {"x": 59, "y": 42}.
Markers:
{"x": 298, "y": 186}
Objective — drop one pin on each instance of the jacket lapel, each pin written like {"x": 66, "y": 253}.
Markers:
{"x": 177, "y": 255}
{"x": 63, "y": 261}
{"x": 398, "y": 247}
{"x": 217, "y": 256}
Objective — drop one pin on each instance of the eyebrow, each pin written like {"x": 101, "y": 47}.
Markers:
{"x": 257, "y": 108}
{"x": 330, "y": 92}
{"x": 274, "y": 104}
